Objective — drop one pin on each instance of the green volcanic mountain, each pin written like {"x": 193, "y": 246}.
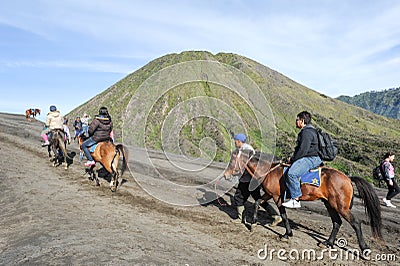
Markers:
{"x": 386, "y": 103}
{"x": 363, "y": 136}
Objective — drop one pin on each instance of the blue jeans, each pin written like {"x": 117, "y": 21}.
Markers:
{"x": 85, "y": 129}
{"x": 296, "y": 170}
{"x": 85, "y": 147}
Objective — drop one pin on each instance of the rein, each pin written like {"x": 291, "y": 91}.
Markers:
{"x": 215, "y": 191}
{"x": 253, "y": 174}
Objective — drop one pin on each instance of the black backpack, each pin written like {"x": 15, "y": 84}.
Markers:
{"x": 327, "y": 147}
{"x": 377, "y": 173}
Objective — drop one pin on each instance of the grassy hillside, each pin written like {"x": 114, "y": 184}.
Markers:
{"x": 363, "y": 136}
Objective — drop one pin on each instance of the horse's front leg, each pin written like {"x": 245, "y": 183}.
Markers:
{"x": 94, "y": 176}
{"x": 288, "y": 232}
{"x": 336, "y": 222}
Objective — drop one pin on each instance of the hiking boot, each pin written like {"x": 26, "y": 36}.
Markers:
{"x": 46, "y": 143}
{"x": 90, "y": 163}
{"x": 292, "y": 204}
{"x": 240, "y": 211}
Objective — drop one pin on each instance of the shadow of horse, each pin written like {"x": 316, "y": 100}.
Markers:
{"x": 209, "y": 199}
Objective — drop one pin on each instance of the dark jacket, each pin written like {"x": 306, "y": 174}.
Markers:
{"x": 307, "y": 143}
{"x": 100, "y": 128}
{"x": 78, "y": 125}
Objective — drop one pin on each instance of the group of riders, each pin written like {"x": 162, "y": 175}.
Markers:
{"x": 305, "y": 156}
{"x": 98, "y": 130}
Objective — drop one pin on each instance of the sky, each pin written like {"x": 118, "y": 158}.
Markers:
{"x": 64, "y": 53}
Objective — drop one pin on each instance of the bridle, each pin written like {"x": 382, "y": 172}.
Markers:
{"x": 247, "y": 168}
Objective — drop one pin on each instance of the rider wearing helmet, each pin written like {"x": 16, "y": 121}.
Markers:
{"x": 99, "y": 130}
{"x": 54, "y": 120}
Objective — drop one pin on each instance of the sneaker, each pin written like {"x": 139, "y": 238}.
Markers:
{"x": 46, "y": 143}
{"x": 90, "y": 163}
{"x": 292, "y": 203}
{"x": 389, "y": 204}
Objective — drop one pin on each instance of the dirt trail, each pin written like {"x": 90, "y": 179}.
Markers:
{"x": 54, "y": 216}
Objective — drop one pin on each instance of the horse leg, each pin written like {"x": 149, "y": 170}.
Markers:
{"x": 355, "y": 223}
{"x": 94, "y": 176}
{"x": 114, "y": 182}
{"x": 336, "y": 221}
{"x": 288, "y": 232}
{"x": 255, "y": 214}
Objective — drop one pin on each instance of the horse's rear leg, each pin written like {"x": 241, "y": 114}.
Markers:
{"x": 355, "y": 223}
{"x": 114, "y": 181}
{"x": 336, "y": 221}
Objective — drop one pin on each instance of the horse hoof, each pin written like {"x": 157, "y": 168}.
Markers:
{"x": 284, "y": 238}
{"x": 327, "y": 244}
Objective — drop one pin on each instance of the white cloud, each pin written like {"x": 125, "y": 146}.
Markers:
{"x": 330, "y": 46}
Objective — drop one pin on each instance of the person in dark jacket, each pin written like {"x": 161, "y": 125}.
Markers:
{"x": 77, "y": 126}
{"x": 305, "y": 157}
{"x": 99, "y": 130}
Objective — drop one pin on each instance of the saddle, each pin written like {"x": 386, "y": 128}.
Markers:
{"x": 312, "y": 177}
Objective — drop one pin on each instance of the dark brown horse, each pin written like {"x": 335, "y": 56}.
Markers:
{"x": 108, "y": 154}
{"x": 32, "y": 112}
{"x": 57, "y": 146}
{"x": 336, "y": 192}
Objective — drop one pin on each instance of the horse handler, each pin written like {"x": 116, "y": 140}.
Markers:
{"x": 242, "y": 192}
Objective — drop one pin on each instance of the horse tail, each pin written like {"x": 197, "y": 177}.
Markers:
{"x": 121, "y": 149}
{"x": 372, "y": 205}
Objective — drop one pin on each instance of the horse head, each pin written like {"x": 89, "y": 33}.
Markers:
{"x": 236, "y": 164}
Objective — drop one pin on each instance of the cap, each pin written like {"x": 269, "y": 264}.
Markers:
{"x": 241, "y": 137}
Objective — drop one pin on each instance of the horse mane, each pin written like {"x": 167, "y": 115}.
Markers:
{"x": 261, "y": 156}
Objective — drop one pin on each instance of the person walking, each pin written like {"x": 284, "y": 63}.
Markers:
{"x": 388, "y": 175}
{"x": 242, "y": 192}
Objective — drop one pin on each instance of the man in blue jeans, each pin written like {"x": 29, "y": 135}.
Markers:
{"x": 305, "y": 157}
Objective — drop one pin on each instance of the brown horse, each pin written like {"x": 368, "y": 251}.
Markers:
{"x": 32, "y": 112}
{"x": 336, "y": 192}
{"x": 57, "y": 146}
{"x": 108, "y": 154}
